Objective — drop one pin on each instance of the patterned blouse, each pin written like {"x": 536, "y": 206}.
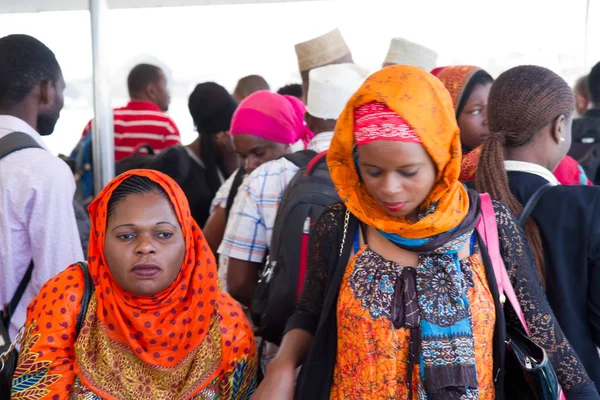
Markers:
{"x": 38, "y": 378}
{"x": 373, "y": 350}
{"x": 363, "y": 304}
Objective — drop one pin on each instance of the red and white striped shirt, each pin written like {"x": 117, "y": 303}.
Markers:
{"x": 141, "y": 123}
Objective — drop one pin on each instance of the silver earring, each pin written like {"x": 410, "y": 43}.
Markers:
{"x": 562, "y": 139}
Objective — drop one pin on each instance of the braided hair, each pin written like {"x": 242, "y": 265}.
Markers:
{"x": 211, "y": 108}
{"x": 523, "y": 100}
{"x": 25, "y": 62}
{"x": 134, "y": 185}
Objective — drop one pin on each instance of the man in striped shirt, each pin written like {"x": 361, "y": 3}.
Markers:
{"x": 143, "y": 121}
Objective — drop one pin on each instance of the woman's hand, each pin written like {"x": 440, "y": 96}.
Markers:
{"x": 224, "y": 145}
{"x": 279, "y": 382}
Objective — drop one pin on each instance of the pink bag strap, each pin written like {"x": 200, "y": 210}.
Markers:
{"x": 488, "y": 229}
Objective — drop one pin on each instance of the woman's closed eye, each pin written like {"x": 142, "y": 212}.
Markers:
{"x": 259, "y": 152}
{"x": 408, "y": 174}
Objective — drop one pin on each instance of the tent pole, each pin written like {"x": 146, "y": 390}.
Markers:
{"x": 102, "y": 131}
{"x": 586, "y": 37}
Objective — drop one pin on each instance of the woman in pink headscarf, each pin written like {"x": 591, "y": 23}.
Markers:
{"x": 264, "y": 127}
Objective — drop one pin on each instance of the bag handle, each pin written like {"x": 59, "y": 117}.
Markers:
{"x": 149, "y": 150}
{"x": 488, "y": 229}
{"x": 88, "y": 290}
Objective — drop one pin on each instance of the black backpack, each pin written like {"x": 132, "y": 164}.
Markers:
{"x": 307, "y": 195}
{"x": 586, "y": 146}
{"x": 173, "y": 161}
{"x": 588, "y": 156}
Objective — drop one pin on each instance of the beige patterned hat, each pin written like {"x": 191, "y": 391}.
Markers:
{"x": 323, "y": 50}
{"x": 403, "y": 51}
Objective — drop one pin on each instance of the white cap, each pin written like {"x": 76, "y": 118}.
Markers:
{"x": 330, "y": 88}
{"x": 403, "y": 51}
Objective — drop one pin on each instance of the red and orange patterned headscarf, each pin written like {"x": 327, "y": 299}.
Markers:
{"x": 146, "y": 324}
{"x": 423, "y": 102}
{"x": 456, "y": 79}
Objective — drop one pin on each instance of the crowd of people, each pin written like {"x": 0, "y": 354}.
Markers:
{"x": 420, "y": 232}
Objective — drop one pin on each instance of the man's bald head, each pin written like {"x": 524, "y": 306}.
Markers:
{"x": 248, "y": 85}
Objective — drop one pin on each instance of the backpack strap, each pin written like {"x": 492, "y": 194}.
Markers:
{"x": 9, "y": 144}
{"x": 315, "y": 162}
{"x": 301, "y": 159}
{"x": 16, "y": 141}
{"x": 235, "y": 185}
{"x": 88, "y": 290}
{"x": 532, "y": 202}
{"x": 14, "y": 302}
{"x": 488, "y": 229}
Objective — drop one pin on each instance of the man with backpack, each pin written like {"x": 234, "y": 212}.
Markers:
{"x": 38, "y": 230}
{"x": 586, "y": 131}
{"x": 251, "y": 232}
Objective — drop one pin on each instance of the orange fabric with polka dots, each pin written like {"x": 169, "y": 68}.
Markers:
{"x": 144, "y": 324}
{"x": 163, "y": 331}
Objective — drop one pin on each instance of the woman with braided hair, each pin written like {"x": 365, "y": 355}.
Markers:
{"x": 529, "y": 114}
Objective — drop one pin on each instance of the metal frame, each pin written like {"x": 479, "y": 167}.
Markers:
{"x": 103, "y": 127}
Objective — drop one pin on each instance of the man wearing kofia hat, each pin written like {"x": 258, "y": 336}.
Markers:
{"x": 330, "y": 48}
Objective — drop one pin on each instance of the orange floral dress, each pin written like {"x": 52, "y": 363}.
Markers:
{"x": 372, "y": 355}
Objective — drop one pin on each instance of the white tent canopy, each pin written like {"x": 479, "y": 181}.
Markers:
{"x": 29, "y": 6}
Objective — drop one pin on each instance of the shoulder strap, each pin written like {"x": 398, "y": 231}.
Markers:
{"x": 16, "y": 141}
{"x": 315, "y": 162}
{"x": 88, "y": 290}
{"x": 488, "y": 229}
{"x": 532, "y": 202}
{"x": 14, "y": 302}
{"x": 9, "y": 144}
{"x": 301, "y": 159}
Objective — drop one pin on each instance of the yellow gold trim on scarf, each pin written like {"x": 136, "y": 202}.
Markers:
{"x": 114, "y": 369}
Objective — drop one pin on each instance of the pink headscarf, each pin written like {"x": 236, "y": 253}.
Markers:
{"x": 273, "y": 117}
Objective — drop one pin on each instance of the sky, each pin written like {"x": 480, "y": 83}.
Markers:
{"x": 223, "y": 43}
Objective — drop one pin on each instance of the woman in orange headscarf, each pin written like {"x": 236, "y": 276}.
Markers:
{"x": 396, "y": 302}
{"x": 157, "y": 325}
{"x": 469, "y": 88}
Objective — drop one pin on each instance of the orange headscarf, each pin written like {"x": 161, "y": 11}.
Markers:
{"x": 188, "y": 339}
{"x": 141, "y": 323}
{"x": 456, "y": 78}
{"x": 420, "y": 99}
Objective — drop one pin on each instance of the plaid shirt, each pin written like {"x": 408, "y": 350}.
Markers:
{"x": 249, "y": 229}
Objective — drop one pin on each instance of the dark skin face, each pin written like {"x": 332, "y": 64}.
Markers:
{"x": 472, "y": 120}
{"x": 399, "y": 176}
{"x": 255, "y": 151}
{"x": 52, "y": 100}
{"x": 144, "y": 244}
{"x": 158, "y": 92}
